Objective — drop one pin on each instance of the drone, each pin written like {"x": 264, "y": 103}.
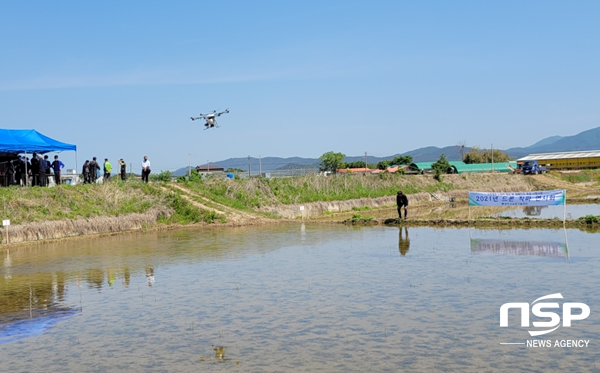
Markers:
{"x": 211, "y": 119}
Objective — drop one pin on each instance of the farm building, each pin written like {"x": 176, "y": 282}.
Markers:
{"x": 354, "y": 170}
{"x": 209, "y": 169}
{"x": 565, "y": 160}
{"x": 459, "y": 167}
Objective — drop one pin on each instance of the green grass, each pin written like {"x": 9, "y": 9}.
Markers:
{"x": 249, "y": 194}
{"x": 590, "y": 219}
{"x": 358, "y": 218}
{"x": 25, "y": 205}
{"x": 186, "y": 213}
{"x": 581, "y": 177}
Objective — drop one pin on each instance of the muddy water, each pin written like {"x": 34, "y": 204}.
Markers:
{"x": 296, "y": 298}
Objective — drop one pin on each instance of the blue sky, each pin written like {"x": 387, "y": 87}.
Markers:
{"x": 121, "y": 79}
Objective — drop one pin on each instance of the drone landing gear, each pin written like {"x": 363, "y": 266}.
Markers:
{"x": 209, "y": 126}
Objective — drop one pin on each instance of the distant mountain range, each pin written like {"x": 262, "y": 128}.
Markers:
{"x": 586, "y": 140}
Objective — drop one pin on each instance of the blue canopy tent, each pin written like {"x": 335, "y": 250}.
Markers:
{"x": 14, "y": 142}
{"x": 29, "y": 141}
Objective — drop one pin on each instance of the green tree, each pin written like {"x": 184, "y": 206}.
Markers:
{"x": 382, "y": 165}
{"x": 477, "y": 155}
{"x": 331, "y": 161}
{"x": 402, "y": 159}
{"x": 440, "y": 167}
{"x": 355, "y": 164}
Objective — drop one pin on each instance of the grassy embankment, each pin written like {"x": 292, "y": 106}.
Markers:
{"x": 583, "y": 176}
{"x": 163, "y": 203}
{"x": 257, "y": 192}
{"x": 41, "y": 213}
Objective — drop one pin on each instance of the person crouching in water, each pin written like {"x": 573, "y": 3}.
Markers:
{"x": 402, "y": 202}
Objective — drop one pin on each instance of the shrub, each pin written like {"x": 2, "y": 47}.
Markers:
{"x": 589, "y": 219}
{"x": 164, "y": 176}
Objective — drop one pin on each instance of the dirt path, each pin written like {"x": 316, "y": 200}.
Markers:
{"x": 233, "y": 215}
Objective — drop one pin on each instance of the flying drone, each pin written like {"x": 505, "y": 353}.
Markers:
{"x": 211, "y": 119}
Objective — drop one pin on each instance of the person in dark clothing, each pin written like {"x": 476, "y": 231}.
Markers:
{"x": 26, "y": 171}
{"x": 123, "y": 169}
{"x": 19, "y": 169}
{"x": 402, "y": 202}
{"x": 48, "y": 169}
{"x": 94, "y": 167}
{"x": 35, "y": 170}
{"x": 42, "y": 173}
{"x": 57, "y": 166}
{"x": 10, "y": 173}
{"x": 86, "y": 172}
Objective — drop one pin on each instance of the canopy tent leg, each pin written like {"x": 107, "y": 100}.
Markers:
{"x": 26, "y": 176}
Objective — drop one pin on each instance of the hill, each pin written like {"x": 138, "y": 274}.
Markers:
{"x": 266, "y": 163}
{"x": 586, "y": 140}
{"x": 546, "y": 141}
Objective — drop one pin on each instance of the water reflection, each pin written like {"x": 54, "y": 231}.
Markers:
{"x": 533, "y": 210}
{"x": 150, "y": 276}
{"x": 551, "y": 212}
{"x": 31, "y": 303}
{"x": 509, "y": 247}
{"x": 403, "y": 241}
{"x": 342, "y": 299}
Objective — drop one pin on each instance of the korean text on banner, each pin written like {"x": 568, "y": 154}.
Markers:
{"x": 539, "y": 198}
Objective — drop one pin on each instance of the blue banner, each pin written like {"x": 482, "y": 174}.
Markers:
{"x": 539, "y": 198}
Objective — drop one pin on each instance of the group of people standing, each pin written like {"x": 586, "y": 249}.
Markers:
{"x": 91, "y": 170}
{"x": 39, "y": 168}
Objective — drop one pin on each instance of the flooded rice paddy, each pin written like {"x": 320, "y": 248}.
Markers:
{"x": 296, "y": 298}
{"x": 461, "y": 211}
{"x": 550, "y": 212}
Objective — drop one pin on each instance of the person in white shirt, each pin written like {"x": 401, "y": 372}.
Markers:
{"x": 145, "y": 169}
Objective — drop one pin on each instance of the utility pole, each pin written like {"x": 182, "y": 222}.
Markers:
{"x": 249, "y": 167}
{"x": 207, "y": 167}
{"x": 366, "y": 163}
{"x": 259, "y": 166}
{"x": 492, "y": 157}
{"x": 189, "y": 165}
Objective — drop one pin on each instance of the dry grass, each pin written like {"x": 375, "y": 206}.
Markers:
{"x": 78, "y": 227}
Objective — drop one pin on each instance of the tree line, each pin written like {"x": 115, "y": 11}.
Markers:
{"x": 332, "y": 161}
